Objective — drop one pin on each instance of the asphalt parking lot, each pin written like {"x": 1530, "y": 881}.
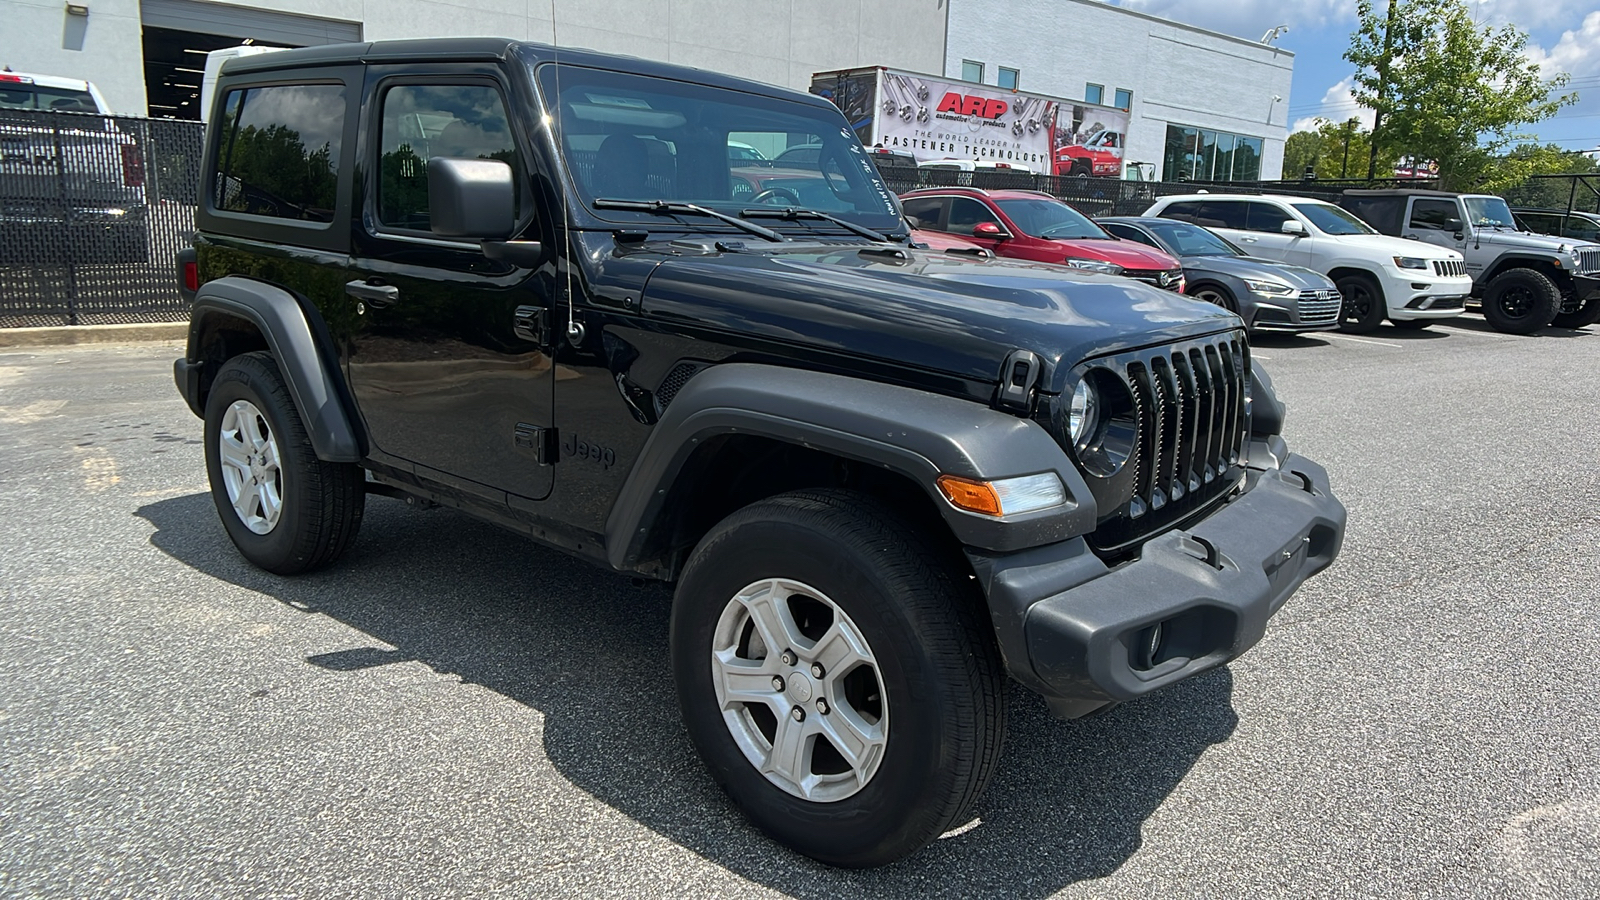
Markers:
{"x": 451, "y": 711}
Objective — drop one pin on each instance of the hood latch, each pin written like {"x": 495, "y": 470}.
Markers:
{"x": 1019, "y": 379}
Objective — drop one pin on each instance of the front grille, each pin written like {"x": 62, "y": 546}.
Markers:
{"x": 1320, "y": 307}
{"x": 1192, "y": 429}
{"x": 1167, "y": 279}
{"x": 1588, "y": 260}
{"x": 1449, "y": 268}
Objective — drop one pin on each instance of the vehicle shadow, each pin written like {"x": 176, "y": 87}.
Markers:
{"x": 1278, "y": 340}
{"x": 1482, "y": 326}
{"x": 588, "y": 650}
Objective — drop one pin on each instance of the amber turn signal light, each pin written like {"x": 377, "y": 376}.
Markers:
{"x": 972, "y": 496}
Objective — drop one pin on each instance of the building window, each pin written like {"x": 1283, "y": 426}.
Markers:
{"x": 1199, "y": 154}
{"x": 1009, "y": 78}
{"x": 1124, "y": 99}
{"x": 972, "y": 71}
{"x": 1094, "y": 93}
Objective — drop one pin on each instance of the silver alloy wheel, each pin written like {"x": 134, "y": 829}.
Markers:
{"x": 1213, "y": 297}
{"x": 251, "y": 468}
{"x": 799, "y": 690}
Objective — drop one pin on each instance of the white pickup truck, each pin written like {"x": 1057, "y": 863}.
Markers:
{"x": 1409, "y": 283}
{"x": 72, "y": 184}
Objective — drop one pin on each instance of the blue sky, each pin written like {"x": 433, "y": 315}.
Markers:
{"x": 1564, "y": 37}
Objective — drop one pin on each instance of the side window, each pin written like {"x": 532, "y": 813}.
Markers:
{"x": 1433, "y": 215}
{"x": 923, "y": 212}
{"x": 1222, "y": 214}
{"x": 1266, "y": 217}
{"x": 1183, "y": 212}
{"x": 278, "y": 154}
{"x": 1128, "y": 232}
{"x": 966, "y": 214}
{"x": 1538, "y": 223}
{"x": 1581, "y": 228}
{"x": 423, "y": 121}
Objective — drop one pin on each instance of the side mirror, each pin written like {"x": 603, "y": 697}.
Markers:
{"x": 990, "y": 230}
{"x": 1293, "y": 226}
{"x": 1455, "y": 225}
{"x": 471, "y": 198}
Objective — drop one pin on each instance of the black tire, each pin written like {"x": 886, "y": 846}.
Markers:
{"x": 938, "y": 671}
{"x": 1411, "y": 324}
{"x": 1582, "y": 317}
{"x": 322, "y": 502}
{"x": 1364, "y": 307}
{"x": 1520, "y": 301}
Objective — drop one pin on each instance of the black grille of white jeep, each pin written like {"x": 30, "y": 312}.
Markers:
{"x": 1188, "y": 403}
{"x": 1449, "y": 268}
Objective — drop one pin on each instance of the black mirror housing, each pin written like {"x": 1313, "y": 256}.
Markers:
{"x": 471, "y": 198}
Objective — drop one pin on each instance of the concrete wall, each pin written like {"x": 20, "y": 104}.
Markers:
{"x": 38, "y": 36}
{"x": 776, "y": 41}
{"x": 1178, "y": 74}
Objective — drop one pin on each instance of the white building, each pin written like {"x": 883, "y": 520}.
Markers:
{"x": 1196, "y": 96}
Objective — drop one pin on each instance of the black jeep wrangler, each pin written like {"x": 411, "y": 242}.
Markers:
{"x": 539, "y": 287}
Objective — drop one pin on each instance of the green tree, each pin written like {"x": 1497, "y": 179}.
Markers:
{"x": 1334, "y": 149}
{"x": 1446, "y": 89}
{"x": 1512, "y": 177}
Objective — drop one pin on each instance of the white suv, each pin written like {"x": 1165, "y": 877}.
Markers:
{"x": 1381, "y": 277}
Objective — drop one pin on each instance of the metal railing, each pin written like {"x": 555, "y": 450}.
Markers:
{"x": 93, "y": 210}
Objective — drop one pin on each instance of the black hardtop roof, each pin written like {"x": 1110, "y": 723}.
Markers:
{"x": 489, "y": 49}
{"x": 1403, "y": 192}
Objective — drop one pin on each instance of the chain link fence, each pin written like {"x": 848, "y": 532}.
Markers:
{"x": 93, "y": 210}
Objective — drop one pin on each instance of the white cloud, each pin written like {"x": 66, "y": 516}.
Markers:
{"x": 1534, "y": 15}
{"x": 1574, "y": 53}
{"x": 1337, "y": 105}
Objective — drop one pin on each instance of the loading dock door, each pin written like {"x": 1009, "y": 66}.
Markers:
{"x": 228, "y": 20}
{"x": 178, "y": 34}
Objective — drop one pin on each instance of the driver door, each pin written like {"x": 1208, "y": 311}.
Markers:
{"x": 966, "y": 214}
{"x": 1429, "y": 221}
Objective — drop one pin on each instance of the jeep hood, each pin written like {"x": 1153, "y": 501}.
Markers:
{"x": 1524, "y": 240}
{"x": 1394, "y": 246}
{"x": 933, "y": 311}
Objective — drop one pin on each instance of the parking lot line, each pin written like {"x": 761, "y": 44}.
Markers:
{"x": 1346, "y": 337}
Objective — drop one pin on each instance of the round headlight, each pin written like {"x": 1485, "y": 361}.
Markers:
{"x": 1083, "y": 415}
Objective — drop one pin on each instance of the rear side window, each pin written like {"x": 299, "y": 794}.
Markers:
{"x": 1183, "y": 212}
{"x": 279, "y": 151}
{"x": 1222, "y": 214}
{"x": 1267, "y": 217}
{"x": 1433, "y": 215}
{"x": 461, "y": 121}
{"x": 923, "y": 212}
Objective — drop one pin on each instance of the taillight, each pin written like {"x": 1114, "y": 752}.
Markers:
{"x": 132, "y": 166}
{"x": 191, "y": 276}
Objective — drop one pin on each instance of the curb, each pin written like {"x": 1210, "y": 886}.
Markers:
{"x": 63, "y": 335}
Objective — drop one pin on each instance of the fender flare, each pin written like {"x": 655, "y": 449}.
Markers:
{"x": 913, "y": 433}
{"x": 1515, "y": 260}
{"x": 310, "y": 374}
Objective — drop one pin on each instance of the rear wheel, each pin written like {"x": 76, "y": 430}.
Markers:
{"x": 1520, "y": 301}
{"x": 1364, "y": 307}
{"x": 286, "y": 510}
{"x": 1584, "y": 316}
{"x": 837, "y": 677}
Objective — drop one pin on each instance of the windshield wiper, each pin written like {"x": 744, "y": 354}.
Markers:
{"x": 667, "y": 207}
{"x": 800, "y": 212}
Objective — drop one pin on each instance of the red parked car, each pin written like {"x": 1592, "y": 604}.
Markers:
{"x": 1034, "y": 225}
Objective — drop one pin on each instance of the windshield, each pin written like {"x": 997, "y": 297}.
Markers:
{"x": 1184, "y": 239}
{"x": 1330, "y": 219}
{"x": 1489, "y": 212}
{"x": 1050, "y": 219}
{"x": 32, "y": 96}
{"x": 626, "y": 137}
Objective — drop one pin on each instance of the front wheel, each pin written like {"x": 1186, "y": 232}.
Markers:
{"x": 837, "y": 677}
{"x": 1216, "y": 295}
{"x": 286, "y": 510}
{"x": 1521, "y": 301}
{"x": 1364, "y": 307}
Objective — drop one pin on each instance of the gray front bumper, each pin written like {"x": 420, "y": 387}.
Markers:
{"x": 1078, "y": 631}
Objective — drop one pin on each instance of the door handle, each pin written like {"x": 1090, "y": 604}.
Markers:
{"x": 377, "y": 296}
{"x": 1248, "y": 240}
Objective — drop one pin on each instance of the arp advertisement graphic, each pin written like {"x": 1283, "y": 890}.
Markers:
{"x": 1089, "y": 140}
{"x": 934, "y": 118}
